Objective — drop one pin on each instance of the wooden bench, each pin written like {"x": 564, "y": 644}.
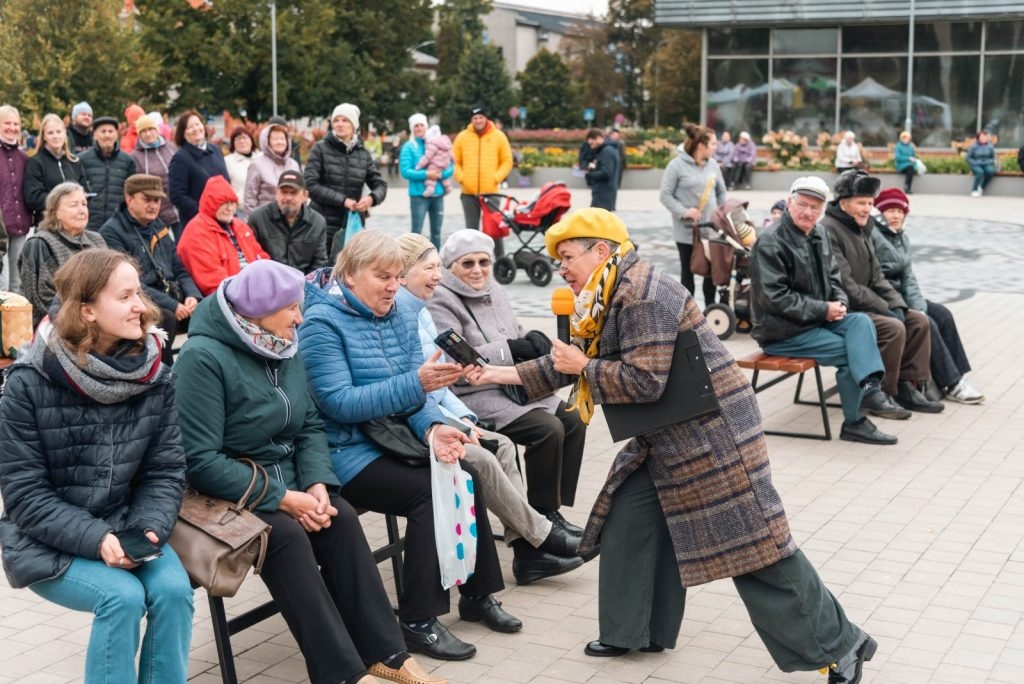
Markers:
{"x": 788, "y": 367}
{"x": 224, "y": 628}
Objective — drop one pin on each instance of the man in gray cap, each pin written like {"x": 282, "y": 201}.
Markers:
{"x": 799, "y": 308}
{"x": 290, "y": 230}
{"x": 107, "y": 168}
{"x": 904, "y": 335}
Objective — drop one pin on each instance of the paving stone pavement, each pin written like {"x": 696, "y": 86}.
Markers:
{"x": 921, "y": 542}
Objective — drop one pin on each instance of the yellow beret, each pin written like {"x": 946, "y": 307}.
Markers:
{"x": 582, "y": 223}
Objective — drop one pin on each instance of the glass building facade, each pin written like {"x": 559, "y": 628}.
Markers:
{"x": 966, "y": 75}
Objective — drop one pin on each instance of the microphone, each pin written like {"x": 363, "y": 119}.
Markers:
{"x": 563, "y": 303}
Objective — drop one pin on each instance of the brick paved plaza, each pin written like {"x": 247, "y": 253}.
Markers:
{"x": 921, "y": 542}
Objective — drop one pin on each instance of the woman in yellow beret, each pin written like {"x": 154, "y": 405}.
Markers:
{"x": 690, "y": 502}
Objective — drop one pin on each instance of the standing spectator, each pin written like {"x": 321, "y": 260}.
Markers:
{"x": 744, "y": 155}
{"x": 905, "y": 159}
{"x": 14, "y": 214}
{"x": 241, "y": 154}
{"x": 438, "y": 157}
{"x": 261, "y": 182}
{"x": 290, "y": 231}
{"x": 216, "y": 243}
{"x": 373, "y": 144}
{"x": 615, "y": 137}
{"x": 338, "y": 168}
{"x": 60, "y": 235}
{"x": 848, "y": 154}
{"x": 164, "y": 128}
{"x": 131, "y": 135}
{"x": 152, "y": 155}
{"x": 602, "y": 173}
{"x": 136, "y": 229}
{"x": 723, "y": 155}
{"x": 691, "y": 188}
{"x": 981, "y": 157}
{"x": 421, "y": 204}
{"x": 483, "y": 159}
{"x": 92, "y": 451}
{"x": 192, "y": 165}
{"x": 106, "y": 168}
{"x": 80, "y": 130}
{"x": 52, "y": 164}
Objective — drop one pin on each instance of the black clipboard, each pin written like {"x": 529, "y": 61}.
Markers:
{"x": 688, "y": 394}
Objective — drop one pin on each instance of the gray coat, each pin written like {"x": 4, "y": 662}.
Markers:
{"x": 450, "y": 307}
{"x": 893, "y": 251}
{"x": 682, "y": 185}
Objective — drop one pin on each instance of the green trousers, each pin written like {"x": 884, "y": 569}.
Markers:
{"x": 641, "y": 597}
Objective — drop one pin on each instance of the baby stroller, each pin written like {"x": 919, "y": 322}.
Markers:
{"x": 727, "y": 264}
{"x": 502, "y": 214}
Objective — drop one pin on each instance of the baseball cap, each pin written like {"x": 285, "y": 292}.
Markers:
{"x": 291, "y": 179}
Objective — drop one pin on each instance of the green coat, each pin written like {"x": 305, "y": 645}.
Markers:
{"x": 237, "y": 400}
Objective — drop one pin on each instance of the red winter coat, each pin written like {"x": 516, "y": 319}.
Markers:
{"x": 205, "y": 247}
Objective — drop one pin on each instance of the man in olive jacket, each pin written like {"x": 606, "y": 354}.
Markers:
{"x": 799, "y": 308}
{"x": 290, "y": 231}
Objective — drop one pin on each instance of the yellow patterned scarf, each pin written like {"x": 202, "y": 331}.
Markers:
{"x": 588, "y": 320}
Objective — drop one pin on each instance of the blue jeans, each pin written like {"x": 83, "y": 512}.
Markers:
{"x": 982, "y": 175}
{"x": 421, "y": 206}
{"x": 848, "y": 344}
{"x": 158, "y": 590}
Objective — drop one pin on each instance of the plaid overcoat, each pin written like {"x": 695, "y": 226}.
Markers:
{"x": 711, "y": 473}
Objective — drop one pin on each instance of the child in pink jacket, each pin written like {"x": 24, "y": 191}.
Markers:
{"x": 437, "y": 157}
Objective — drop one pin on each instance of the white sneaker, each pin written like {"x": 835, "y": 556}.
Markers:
{"x": 975, "y": 193}
{"x": 964, "y": 393}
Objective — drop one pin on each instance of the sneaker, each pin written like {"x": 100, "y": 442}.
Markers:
{"x": 975, "y": 193}
{"x": 964, "y": 393}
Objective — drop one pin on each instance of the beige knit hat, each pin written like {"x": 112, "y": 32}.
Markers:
{"x": 414, "y": 246}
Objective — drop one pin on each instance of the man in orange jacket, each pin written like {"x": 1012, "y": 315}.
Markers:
{"x": 483, "y": 159}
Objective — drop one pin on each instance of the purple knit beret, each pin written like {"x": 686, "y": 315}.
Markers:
{"x": 264, "y": 287}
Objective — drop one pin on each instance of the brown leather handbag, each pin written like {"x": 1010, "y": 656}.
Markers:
{"x": 219, "y": 541}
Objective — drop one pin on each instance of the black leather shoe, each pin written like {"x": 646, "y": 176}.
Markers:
{"x": 864, "y": 431}
{"x": 932, "y": 391}
{"x": 488, "y": 610}
{"x": 909, "y": 397}
{"x": 437, "y": 643}
{"x": 600, "y": 649}
{"x": 556, "y": 518}
{"x": 560, "y": 543}
{"x": 878, "y": 403}
{"x": 533, "y": 564}
{"x": 851, "y": 667}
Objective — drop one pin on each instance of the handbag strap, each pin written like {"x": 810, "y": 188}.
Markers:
{"x": 257, "y": 470}
{"x": 706, "y": 194}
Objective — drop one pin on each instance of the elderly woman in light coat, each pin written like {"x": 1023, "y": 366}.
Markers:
{"x": 471, "y": 303}
{"x": 690, "y": 502}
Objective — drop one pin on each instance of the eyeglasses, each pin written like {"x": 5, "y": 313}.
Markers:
{"x": 470, "y": 264}
{"x": 564, "y": 264}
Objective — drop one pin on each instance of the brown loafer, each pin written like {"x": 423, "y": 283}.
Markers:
{"x": 410, "y": 673}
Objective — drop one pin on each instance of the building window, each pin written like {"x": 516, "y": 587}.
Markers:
{"x": 738, "y": 41}
{"x": 948, "y": 37}
{"x": 737, "y": 98}
{"x": 945, "y": 104}
{"x": 1003, "y": 107}
{"x": 1005, "y": 35}
{"x": 808, "y": 105}
{"x": 866, "y": 39}
{"x": 805, "y": 41}
{"x": 872, "y": 98}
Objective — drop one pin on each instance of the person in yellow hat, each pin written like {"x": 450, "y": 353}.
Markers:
{"x": 688, "y": 503}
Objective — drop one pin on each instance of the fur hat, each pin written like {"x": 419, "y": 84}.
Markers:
{"x": 463, "y": 242}
{"x": 855, "y": 183}
{"x": 589, "y": 222}
{"x": 891, "y": 198}
{"x": 414, "y": 246}
{"x": 417, "y": 118}
{"x": 263, "y": 287}
{"x": 349, "y": 111}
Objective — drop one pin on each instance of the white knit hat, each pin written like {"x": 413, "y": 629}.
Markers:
{"x": 349, "y": 111}
{"x": 417, "y": 118}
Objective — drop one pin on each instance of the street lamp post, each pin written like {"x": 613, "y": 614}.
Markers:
{"x": 910, "y": 72}
{"x": 273, "y": 52}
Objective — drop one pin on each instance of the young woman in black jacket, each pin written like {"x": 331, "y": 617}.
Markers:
{"x": 52, "y": 164}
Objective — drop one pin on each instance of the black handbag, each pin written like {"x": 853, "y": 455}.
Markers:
{"x": 396, "y": 439}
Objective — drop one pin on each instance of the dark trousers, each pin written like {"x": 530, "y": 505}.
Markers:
{"x": 387, "y": 486}
{"x": 949, "y": 360}
{"x": 553, "y": 455}
{"x": 741, "y": 174}
{"x": 330, "y": 593}
{"x": 905, "y": 348}
{"x": 708, "y": 285}
{"x": 908, "y": 177}
{"x": 471, "y": 210}
{"x": 641, "y": 598}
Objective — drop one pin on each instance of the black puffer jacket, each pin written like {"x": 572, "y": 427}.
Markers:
{"x": 74, "y": 469}
{"x": 793, "y": 278}
{"x": 106, "y": 175}
{"x": 302, "y": 245}
{"x": 159, "y": 264}
{"x": 43, "y": 173}
{"x": 863, "y": 281}
{"x": 334, "y": 173}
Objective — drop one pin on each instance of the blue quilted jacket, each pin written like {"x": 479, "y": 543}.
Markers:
{"x": 360, "y": 366}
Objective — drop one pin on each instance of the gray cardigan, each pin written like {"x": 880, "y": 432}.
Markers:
{"x": 450, "y": 307}
{"x": 682, "y": 185}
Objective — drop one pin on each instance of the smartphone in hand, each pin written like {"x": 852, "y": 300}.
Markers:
{"x": 137, "y": 547}
{"x": 458, "y": 349}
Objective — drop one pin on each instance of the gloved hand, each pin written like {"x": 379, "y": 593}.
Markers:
{"x": 531, "y": 346}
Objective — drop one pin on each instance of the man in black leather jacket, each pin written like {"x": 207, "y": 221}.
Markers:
{"x": 799, "y": 308}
